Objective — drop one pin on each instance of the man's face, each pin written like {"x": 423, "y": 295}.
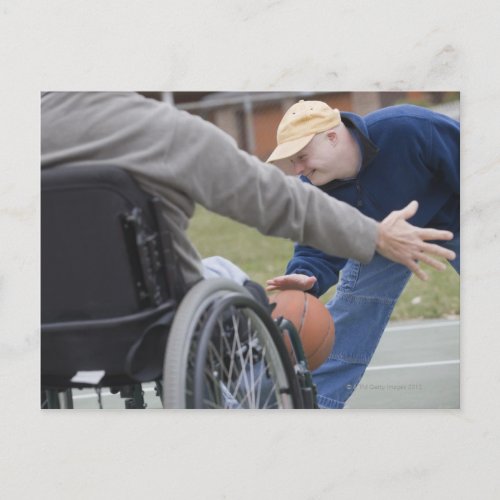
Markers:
{"x": 320, "y": 161}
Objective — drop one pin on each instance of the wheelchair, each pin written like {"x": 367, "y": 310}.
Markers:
{"x": 116, "y": 314}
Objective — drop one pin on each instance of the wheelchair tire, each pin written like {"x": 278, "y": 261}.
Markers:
{"x": 203, "y": 367}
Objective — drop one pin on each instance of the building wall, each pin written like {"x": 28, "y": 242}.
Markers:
{"x": 266, "y": 119}
{"x": 256, "y": 133}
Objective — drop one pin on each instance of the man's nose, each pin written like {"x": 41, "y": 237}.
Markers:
{"x": 298, "y": 167}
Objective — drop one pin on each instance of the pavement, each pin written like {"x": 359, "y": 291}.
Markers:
{"x": 416, "y": 365}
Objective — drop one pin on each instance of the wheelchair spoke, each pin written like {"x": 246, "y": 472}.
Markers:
{"x": 230, "y": 354}
{"x": 266, "y": 402}
{"x": 251, "y": 380}
{"x": 261, "y": 377}
{"x": 241, "y": 383}
{"x": 251, "y": 393}
{"x": 214, "y": 372}
{"x": 239, "y": 353}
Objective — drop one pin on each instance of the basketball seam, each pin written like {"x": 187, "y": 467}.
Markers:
{"x": 324, "y": 339}
{"x": 304, "y": 312}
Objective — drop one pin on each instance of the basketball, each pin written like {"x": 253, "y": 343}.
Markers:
{"x": 312, "y": 321}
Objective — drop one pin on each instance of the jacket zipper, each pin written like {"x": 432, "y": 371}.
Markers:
{"x": 358, "y": 188}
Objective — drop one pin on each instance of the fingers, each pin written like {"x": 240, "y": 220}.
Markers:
{"x": 416, "y": 270}
{"x": 435, "y": 234}
{"x": 401, "y": 242}
{"x": 275, "y": 284}
{"x": 430, "y": 261}
{"x": 405, "y": 213}
{"x": 422, "y": 256}
{"x": 291, "y": 282}
{"x": 421, "y": 274}
{"x": 438, "y": 251}
{"x": 410, "y": 210}
{"x": 276, "y": 281}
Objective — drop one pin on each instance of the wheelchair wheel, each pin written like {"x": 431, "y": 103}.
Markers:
{"x": 224, "y": 351}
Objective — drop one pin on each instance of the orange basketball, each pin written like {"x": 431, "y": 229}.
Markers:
{"x": 312, "y": 321}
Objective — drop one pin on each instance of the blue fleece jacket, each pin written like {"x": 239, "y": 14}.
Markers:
{"x": 409, "y": 153}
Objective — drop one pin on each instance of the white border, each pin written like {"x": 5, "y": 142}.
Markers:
{"x": 241, "y": 45}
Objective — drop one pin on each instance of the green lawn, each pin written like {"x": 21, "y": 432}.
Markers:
{"x": 263, "y": 257}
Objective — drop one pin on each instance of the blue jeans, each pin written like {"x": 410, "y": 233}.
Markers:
{"x": 361, "y": 308}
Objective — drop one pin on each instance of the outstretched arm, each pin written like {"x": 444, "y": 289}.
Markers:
{"x": 397, "y": 240}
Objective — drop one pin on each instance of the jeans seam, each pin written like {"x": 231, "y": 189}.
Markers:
{"x": 324, "y": 401}
{"x": 350, "y": 297}
{"x": 351, "y": 284}
{"x": 347, "y": 358}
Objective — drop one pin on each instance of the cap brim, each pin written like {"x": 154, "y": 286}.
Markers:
{"x": 289, "y": 148}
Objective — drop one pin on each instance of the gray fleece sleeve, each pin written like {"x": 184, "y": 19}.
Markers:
{"x": 185, "y": 159}
{"x": 205, "y": 163}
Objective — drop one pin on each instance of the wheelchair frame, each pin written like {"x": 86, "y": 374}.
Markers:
{"x": 85, "y": 344}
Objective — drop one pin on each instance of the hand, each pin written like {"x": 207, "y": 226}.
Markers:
{"x": 291, "y": 282}
{"x": 401, "y": 242}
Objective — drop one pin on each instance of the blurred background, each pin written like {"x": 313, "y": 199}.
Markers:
{"x": 252, "y": 118}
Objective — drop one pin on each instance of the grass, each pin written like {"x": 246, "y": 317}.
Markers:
{"x": 263, "y": 257}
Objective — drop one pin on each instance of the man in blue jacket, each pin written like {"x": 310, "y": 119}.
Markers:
{"x": 377, "y": 163}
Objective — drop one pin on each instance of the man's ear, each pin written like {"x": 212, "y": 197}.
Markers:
{"x": 332, "y": 137}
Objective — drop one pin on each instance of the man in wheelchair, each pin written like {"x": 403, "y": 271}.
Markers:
{"x": 120, "y": 177}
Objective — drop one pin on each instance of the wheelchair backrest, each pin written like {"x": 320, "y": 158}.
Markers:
{"x": 101, "y": 251}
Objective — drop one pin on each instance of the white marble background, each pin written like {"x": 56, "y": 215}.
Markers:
{"x": 259, "y": 45}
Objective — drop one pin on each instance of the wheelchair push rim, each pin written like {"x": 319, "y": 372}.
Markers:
{"x": 224, "y": 351}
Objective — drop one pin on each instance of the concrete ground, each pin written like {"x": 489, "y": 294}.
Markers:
{"x": 416, "y": 365}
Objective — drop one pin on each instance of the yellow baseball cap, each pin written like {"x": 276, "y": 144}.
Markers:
{"x": 300, "y": 124}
